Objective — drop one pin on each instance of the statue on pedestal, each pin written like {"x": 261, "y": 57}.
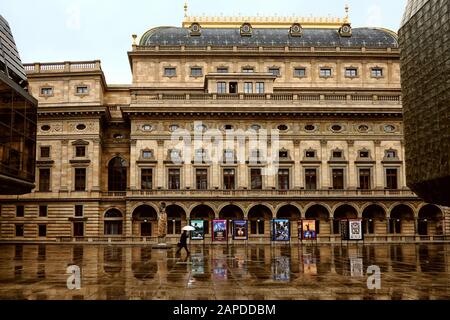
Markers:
{"x": 162, "y": 221}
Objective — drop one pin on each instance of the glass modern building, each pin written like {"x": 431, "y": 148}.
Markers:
{"x": 18, "y": 116}
{"x": 425, "y": 70}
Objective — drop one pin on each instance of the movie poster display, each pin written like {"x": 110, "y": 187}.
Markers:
{"x": 199, "y": 232}
{"x": 219, "y": 230}
{"x": 355, "y": 230}
{"x": 344, "y": 230}
{"x": 281, "y": 230}
{"x": 240, "y": 230}
{"x": 308, "y": 230}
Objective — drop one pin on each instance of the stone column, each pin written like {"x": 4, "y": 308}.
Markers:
{"x": 324, "y": 172}
{"x": 134, "y": 155}
{"x": 298, "y": 178}
{"x": 96, "y": 165}
{"x": 352, "y": 173}
{"x": 160, "y": 157}
{"x": 378, "y": 174}
{"x": 65, "y": 176}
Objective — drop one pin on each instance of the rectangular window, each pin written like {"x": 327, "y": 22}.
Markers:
{"x": 221, "y": 87}
{"x": 364, "y": 179}
{"x": 351, "y": 72}
{"x": 222, "y": 70}
{"x": 260, "y": 87}
{"x": 364, "y": 154}
{"x": 283, "y": 154}
{"x": 19, "y": 230}
{"x": 256, "y": 179}
{"x": 45, "y": 152}
{"x": 78, "y": 229}
{"x": 377, "y": 72}
{"x": 275, "y": 71}
{"x": 228, "y": 156}
{"x": 311, "y": 179}
{"x": 325, "y": 72}
{"x": 201, "y": 178}
{"x": 42, "y": 229}
{"x": 248, "y": 87}
{"x": 283, "y": 179}
{"x": 196, "y": 72}
{"x": 257, "y": 227}
{"x": 391, "y": 154}
{"x": 20, "y": 211}
{"x": 44, "y": 180}
{"x": 248, "y": 69}
{"x": 229, "y": 181}
{"x": 392, "y": 179}
{"x": 80, "y": 151}
{"x": 82, "y": 90}
{"x": 80, "y": 179}
{"x": 233, "y": 87}
{"x": 310, "y": 154}
{"x": 43, "y": 211}
{"x": 337, "y": 154}
{"x": 174, "y": 179}
{"x": 338, "y": 179}
{"x": 46, "y": 91}
{"x": 174, "y": 227}
{"x": 170, "y": 72}
{"x": 147, "y": 154}
{"x": 78, "y": 211}
{"x": 146, "y": 179}
{"x": 300, "y": 72}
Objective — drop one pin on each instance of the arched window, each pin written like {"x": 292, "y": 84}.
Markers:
{"x": 113, "y": 223}
{"x": 117, "y": 175}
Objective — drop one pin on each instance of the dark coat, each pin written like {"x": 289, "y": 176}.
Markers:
{"x": 183, "y": 239}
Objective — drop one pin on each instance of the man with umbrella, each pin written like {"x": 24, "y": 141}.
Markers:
{"x": 183, "y": 240}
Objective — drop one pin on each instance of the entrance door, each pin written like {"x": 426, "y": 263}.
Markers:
{"x": 423, "y": 228}
{"x": 146, "y": 229}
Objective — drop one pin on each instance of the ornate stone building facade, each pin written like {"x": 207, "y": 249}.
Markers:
{"x": 107, "y": 156}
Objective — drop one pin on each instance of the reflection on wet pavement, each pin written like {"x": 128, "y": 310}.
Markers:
{"x": 219, "y": 272}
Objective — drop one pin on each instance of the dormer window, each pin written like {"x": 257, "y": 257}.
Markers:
{"x": 246, "y": 30}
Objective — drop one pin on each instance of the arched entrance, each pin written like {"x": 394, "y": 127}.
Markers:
{"x": 203, "y": 212}
{"x": 343, "y": 212}
{"x": 402, "y": 220}
{"x": 113, "y": 223}
{"x": 430, "y": 221}
{"x": 291, "y": 213}
{"x": 322, "y": 217}
{"x": 231, "y": 212}
{"x": 176, "y": 218}
{"x": 260, "y": 217}
{"x": 374, "y": 220}
{"x": 145, "y": 220}
{"x": 117, "y": 174}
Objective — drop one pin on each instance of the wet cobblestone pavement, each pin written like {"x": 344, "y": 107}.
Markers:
{"x": 276, "y": 272}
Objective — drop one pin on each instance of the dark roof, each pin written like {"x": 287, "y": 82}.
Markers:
{"x": 361, "y": 37}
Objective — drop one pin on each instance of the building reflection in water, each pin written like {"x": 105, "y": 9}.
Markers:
{"x": 409, "y": 271}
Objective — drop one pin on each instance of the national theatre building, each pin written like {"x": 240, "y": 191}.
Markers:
{"x": 233, "y": 118}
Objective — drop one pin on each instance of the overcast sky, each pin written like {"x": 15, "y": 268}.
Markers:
{"x": 62, "y": 30}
